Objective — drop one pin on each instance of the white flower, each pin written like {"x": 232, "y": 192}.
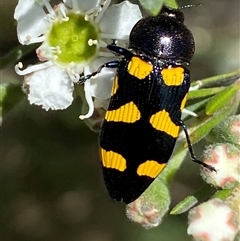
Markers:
{"x": 54, "y": 85}
{"x": 212, "y": 221}
{"x": 74, "y": 35}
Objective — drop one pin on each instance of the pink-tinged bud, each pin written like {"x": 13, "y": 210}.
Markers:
{"x": 233, "y": 201}
{"x": 212, "y": 221}
{"x": 149, "y": 209}
{"x": 228, "y": 131}
{"x": 145, "y": 214}
{"x": 225, "y": 158}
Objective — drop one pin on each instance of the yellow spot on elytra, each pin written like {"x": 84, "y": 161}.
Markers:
{"x": 113, "y": 160}
{"x": 173, "y": 76}
{"x": 162, "y": 122}
{"x": 150, "y": 168}
{"x": 183, "y": 102}
{"x": 139, "y": 68}
{"x": 128, "y": 113}
{"x": 115, "y": 86}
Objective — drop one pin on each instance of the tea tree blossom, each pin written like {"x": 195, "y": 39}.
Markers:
{"x": 74, "y": 35}
{"x": 212, "y": 221}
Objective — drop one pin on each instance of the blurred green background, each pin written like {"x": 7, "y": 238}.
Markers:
{"x": 51, "y": 182}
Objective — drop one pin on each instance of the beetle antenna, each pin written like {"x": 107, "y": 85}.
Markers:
{"x": 190, "y": 6}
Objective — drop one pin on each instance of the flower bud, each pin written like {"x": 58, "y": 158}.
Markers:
{"x": 151, "y": 206}
{"x": 225, "y": 158}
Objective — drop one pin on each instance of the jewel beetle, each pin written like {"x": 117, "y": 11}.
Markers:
{"x": 149, "y": 92}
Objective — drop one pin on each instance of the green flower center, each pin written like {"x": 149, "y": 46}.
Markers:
{"x": 73, "y": 38}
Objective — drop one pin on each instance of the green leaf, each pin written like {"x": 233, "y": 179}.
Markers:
{"x": 171, "y": 3}
{"x": 217, "y": 80}
{"x": 173, "y": 165}
{"x": 16, "y": 54}
{"x": 201, "y": 93}
{"x": 221, "y": 99}
{"x": 195, "y": 107}
{"x": 153, "y": 7}
{"x": 3, "y": 92}
{"x": 13, "y": 95}
{"x": 204, "y": 126}
{"x": 184, "y": 205}
{"x": 223, "y": 194}
{"x": 201, "y": 195}
{"x": 158, "y": 190}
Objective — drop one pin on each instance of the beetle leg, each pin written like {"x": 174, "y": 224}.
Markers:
{"x": 111, "y": 64}
{"x": 193, "y": 157}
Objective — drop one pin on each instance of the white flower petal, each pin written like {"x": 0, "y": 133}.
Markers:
{"x": 84, "y": 5}
{"x": 119, "y": 19}
{"x": 51, "y": 88}
{"x": 101, "y": 85}
{"x": 31, "y": 20}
